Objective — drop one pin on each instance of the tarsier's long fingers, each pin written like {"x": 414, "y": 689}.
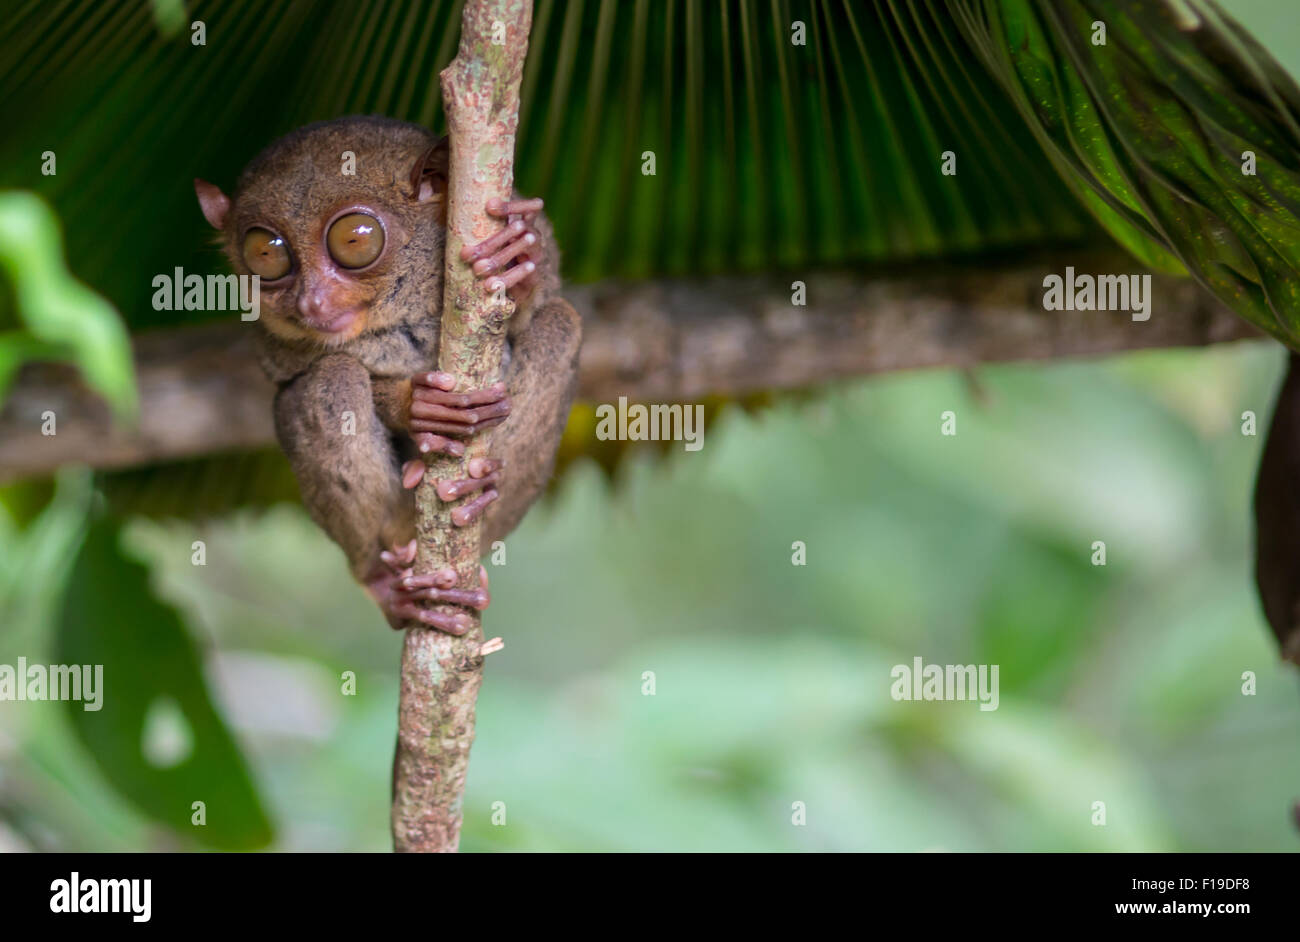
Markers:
{"x": 448, "y": 428}
{"x": 494, "y": 243}
{"x": 412, "y": 473}
{"x": 435, "y": 408}
{"x": 504, "y": 209}
{"x": 511, "y": 277}
{"x": 498, "y": 261}
{"x": 426, "y": 408}
{"x": 505, "y": 256}
{"x": 428, "y": 443}
{"x": 437, "y": 387}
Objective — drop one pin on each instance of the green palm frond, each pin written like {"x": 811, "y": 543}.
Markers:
{"x": 1153, "y": 130}
{"x": 767, "y": 153}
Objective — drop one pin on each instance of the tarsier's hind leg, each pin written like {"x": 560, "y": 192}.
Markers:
{"x": 344, "y": 461}
{"x": 1277, "y": 517}
{"x": 542, "y": 377}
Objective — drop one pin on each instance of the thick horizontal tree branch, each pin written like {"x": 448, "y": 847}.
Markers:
{"x": 201, "y": 389}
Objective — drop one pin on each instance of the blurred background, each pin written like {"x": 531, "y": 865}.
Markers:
{"x": 245, "y": 670}
{"x": 1120, "y": 683}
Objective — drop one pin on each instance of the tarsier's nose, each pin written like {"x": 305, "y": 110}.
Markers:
{"x": 311, "y": 304}
{"x": 320, "y": 312}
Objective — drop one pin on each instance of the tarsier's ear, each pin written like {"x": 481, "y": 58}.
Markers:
{"x": 429, "y": 174}
{"x": 214, "y": 203}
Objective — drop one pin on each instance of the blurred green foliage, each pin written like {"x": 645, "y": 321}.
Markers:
{"x": 57, "y": 317}
{"x": 112, "y": 618}
{"x": 1119, "y": 684}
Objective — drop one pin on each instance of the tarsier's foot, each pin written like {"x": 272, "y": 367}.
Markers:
{"x": 410, "y": 592}
{"x": 395, "y": 564}
{"x": 506, "y": 260}
{"x": 484, "y": 474}
{"x": 401, "y": 594}
{"x": 399, "y": 557}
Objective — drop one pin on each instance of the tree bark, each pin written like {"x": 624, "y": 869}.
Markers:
{"x": 670, "y": 340}
{"x": 441, "y": 673}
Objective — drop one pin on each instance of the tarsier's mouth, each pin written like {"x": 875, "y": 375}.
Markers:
{"x": 331, "y": 323}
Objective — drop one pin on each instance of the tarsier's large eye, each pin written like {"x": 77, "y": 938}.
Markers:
{"x": 355, "y": 240}
{"x": 266, "y": 254}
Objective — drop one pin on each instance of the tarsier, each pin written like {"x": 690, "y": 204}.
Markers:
{"x": 351, "y": 268}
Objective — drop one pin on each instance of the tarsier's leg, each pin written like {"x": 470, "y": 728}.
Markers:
{"x": 345, "y": 464}
{"x": 542, "y": 377}
{"x": 346, "y": 467}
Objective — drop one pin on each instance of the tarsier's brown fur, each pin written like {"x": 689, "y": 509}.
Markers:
{"x": 350, "y": 476}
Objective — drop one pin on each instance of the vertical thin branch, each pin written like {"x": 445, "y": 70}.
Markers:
{"x": 441, "y": 674}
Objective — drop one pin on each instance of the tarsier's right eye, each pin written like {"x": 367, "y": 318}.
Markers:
{"x": 355, "y": 240}
{"x": 266, "y": 254}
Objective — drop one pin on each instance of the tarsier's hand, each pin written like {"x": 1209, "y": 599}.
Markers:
{"x": 440, "y": 416}
{"x": 506, "y": 260}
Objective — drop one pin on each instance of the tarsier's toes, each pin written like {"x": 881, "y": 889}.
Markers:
{"x": 412, "y": 473}
{"x": 385, "y": 587}
{"x": 505, "y": 259}
{"x": 402, "y": 604}
{"x": 428, "y": 443}
{"x": 467, "y": 513}
{"x": 454, "y": 623}
{"x": 483, "y": 473}
{"x": 440, "y": 587}
{"x": 403, "y": 599}
{"x": 400, "y": 557}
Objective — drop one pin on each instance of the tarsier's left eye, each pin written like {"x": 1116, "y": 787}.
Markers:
{"x": 355, "y": 240}
{"x": 266, "y": 254}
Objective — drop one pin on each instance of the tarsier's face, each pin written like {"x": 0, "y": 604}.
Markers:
{"x": 320, "y": 278}
{"x": 329, "y": 219}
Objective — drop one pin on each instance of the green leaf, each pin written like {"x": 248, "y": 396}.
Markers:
{"x": 1153, "y": 128}
{"x": 769, "y": 151}
{"x": 154, "y": 702}
{"x": 64, "y": 318}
